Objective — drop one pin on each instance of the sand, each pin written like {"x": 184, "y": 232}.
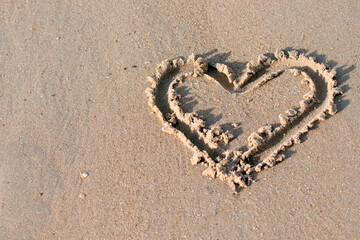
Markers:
{"x": 82, "y": 157}
{"x": 233, "y": 165}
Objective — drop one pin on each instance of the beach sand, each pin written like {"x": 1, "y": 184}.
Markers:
{"x": 72, "y": 101}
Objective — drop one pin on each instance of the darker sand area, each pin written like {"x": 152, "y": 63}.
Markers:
{"x": 72, "y": 81}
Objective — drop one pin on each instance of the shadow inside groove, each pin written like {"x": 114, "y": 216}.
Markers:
{"x": 221, "y": 78}
{"x": 161, "y": 101}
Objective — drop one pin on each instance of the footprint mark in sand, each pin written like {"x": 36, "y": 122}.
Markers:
{"x": 236, "y": 166}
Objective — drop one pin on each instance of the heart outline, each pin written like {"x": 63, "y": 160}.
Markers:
{"x": 233, "y": 166}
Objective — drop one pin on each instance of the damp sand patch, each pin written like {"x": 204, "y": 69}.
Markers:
{"x": 265, "y": 145}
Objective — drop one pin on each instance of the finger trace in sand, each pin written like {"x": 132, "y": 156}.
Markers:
{"x": 270, "y": 141}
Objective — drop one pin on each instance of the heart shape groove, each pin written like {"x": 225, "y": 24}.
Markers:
{"x": 236, "y": 166}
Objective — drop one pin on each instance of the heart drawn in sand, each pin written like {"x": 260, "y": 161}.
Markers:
{"x": 236, "y": 166}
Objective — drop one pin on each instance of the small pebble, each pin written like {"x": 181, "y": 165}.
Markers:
{"x": 84, "y": 175}
{"x": 82, "y": 195}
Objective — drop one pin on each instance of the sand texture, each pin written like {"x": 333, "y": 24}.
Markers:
{"x": 131, "y": 119}
{"x": 233, "y": 165}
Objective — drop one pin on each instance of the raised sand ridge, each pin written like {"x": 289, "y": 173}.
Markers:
{"x": 235, "y": 166}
